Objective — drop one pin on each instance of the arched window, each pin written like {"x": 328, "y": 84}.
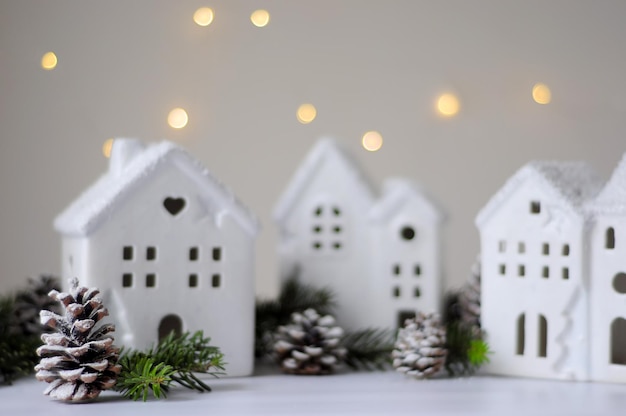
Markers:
{"x": 618, "y": 341}
{"x": 619, "y": 283}
{"x": 521, "y": 330}
{"x": 543, "y": 337}
{"x": 610, "y": 238}
{"x": 170, "y": 323}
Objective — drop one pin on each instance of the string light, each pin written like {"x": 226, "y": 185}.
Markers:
{"x": 306, "y": 113}
{"x": 260, "y": 18}
{"x": 203, "y": 16}
{"x": 106, "y": 148}
{"x": 448, "y": 105}
{"x": 49, "y": 61}
{"x": 541, "y": 93}
{"x": 372, "y": 141}
{"x": 177, "y": 118}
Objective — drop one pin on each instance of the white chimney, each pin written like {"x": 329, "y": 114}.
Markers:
{"x": 122, "y": 152}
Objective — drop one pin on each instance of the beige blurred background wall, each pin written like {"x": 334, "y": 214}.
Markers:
{"x": 365, "y": 65}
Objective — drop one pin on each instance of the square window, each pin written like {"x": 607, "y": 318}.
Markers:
{"x": 396, "y": 269}
{"x": 151, "y": 253}
{"x": 217, "y": 253}
{"x": 502, "y": 246}
{"x": 545, "y": 273}
{"x": 127, "y": 280}
{"x": 535, "y": 207}
{"x": 336, "y": 245}
{"x": 502, "y": 269}
{"x": 521, "y": 270}
{"x": 317, "y": 245}
{"x": 416, "y": 292}
{"x": 216, "y": 280}
{"x": 545, "y": 249}
{"x": 127, "y": 253}
{"x": 418, "y": 270}
{"x": 193, "y": 280}
{"x": 396, "y": 292}
{"x": 565, "y": 273}
{"x": 521, "y": 247}
{"x": 193, "y": 254}
{"x": 566, "y": 249}
{"x": 150, "y": 280}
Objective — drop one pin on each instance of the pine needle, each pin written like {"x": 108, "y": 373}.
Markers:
{"x": 174, "y": 360}
{"x": 369, "y": 349}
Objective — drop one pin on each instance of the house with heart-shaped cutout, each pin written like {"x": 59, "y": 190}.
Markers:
{"x": 170, "y": 248}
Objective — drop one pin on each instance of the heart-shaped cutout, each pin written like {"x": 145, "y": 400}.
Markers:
{"x": 174, "y": 205}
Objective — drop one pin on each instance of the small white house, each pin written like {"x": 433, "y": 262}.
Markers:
{"x": 535, "y": 288}
{"x": 170, "y": 248}
{"x": 381, "y": 257}
{"x": 608, "y": 280}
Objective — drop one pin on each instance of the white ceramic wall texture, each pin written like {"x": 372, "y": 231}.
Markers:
{"x": 365, "y": 65}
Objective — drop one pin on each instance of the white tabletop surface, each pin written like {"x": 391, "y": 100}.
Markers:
{"x": 361, "y": 393}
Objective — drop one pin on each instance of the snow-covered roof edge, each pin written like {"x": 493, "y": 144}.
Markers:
{"x": 324, "y": 148}
{"x": 86, "y": 213}
{"x": 396, "y": 193}
{"x": 612, "y": 198}
{"x": 573, "y": 183}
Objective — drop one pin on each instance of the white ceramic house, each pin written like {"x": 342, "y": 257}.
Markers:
{"x": 381, "y": 257}
{"x": 170, "y": 248}
{"x": 535, "y": 288}
{"x": 405, "y": 229}
{"x": 608, "y": 280}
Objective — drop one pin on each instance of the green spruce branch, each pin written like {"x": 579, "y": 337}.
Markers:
{"x": 467, "y": 350}
{"x": 20, "y": 328}
{"x": 369, "y": 349}
{"x": 176, "y": 359}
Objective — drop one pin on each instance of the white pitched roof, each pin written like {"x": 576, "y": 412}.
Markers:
{"x": 396, "y": 194}
{"x": 325, "y": 149}
{"x": 612, "y": 199}
{"x": 573, "y": 183}
{"x": 93, "y": 207}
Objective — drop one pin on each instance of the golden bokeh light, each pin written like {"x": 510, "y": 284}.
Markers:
{"x": 541, "y": 93}
{"x": 260, "y": 18}
{"x": 177, "y": 118}
{"x": 106, "y": 148}
{"x": 448, "y": 105}
{"x": 372, "y": 141}
{"x": 306, "y": 113}
{"x": 49, "y": 61}
{"x": 203, "y": 16}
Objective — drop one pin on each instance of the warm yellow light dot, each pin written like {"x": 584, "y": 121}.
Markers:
{"x": 106, "y": 148}
{"x": 448, "y": 105}
{"x": 203, "y": 16}
{"x": 372, "y": 141}
{"x": 260, "y": 18}
{"x": 49, "y": 60}
{"x": 541, "y": 93}
{"x": 306, "y": 113}
{"x": 177, "y": 118}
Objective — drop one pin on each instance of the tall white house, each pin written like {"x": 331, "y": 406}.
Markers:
{"x": 535, "y": 283}
{"x": 169, "y": 247}
{"x": 608, "y": 280}
{"x": 380, "y": 255}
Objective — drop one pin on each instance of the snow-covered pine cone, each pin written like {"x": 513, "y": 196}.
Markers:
{"x": 78, "y": 360}
{"x": 310, "y": 344}
{"x": 420, "y": 349}
{"x": 32, "y": 300}
{"x": 469, "y": 298}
